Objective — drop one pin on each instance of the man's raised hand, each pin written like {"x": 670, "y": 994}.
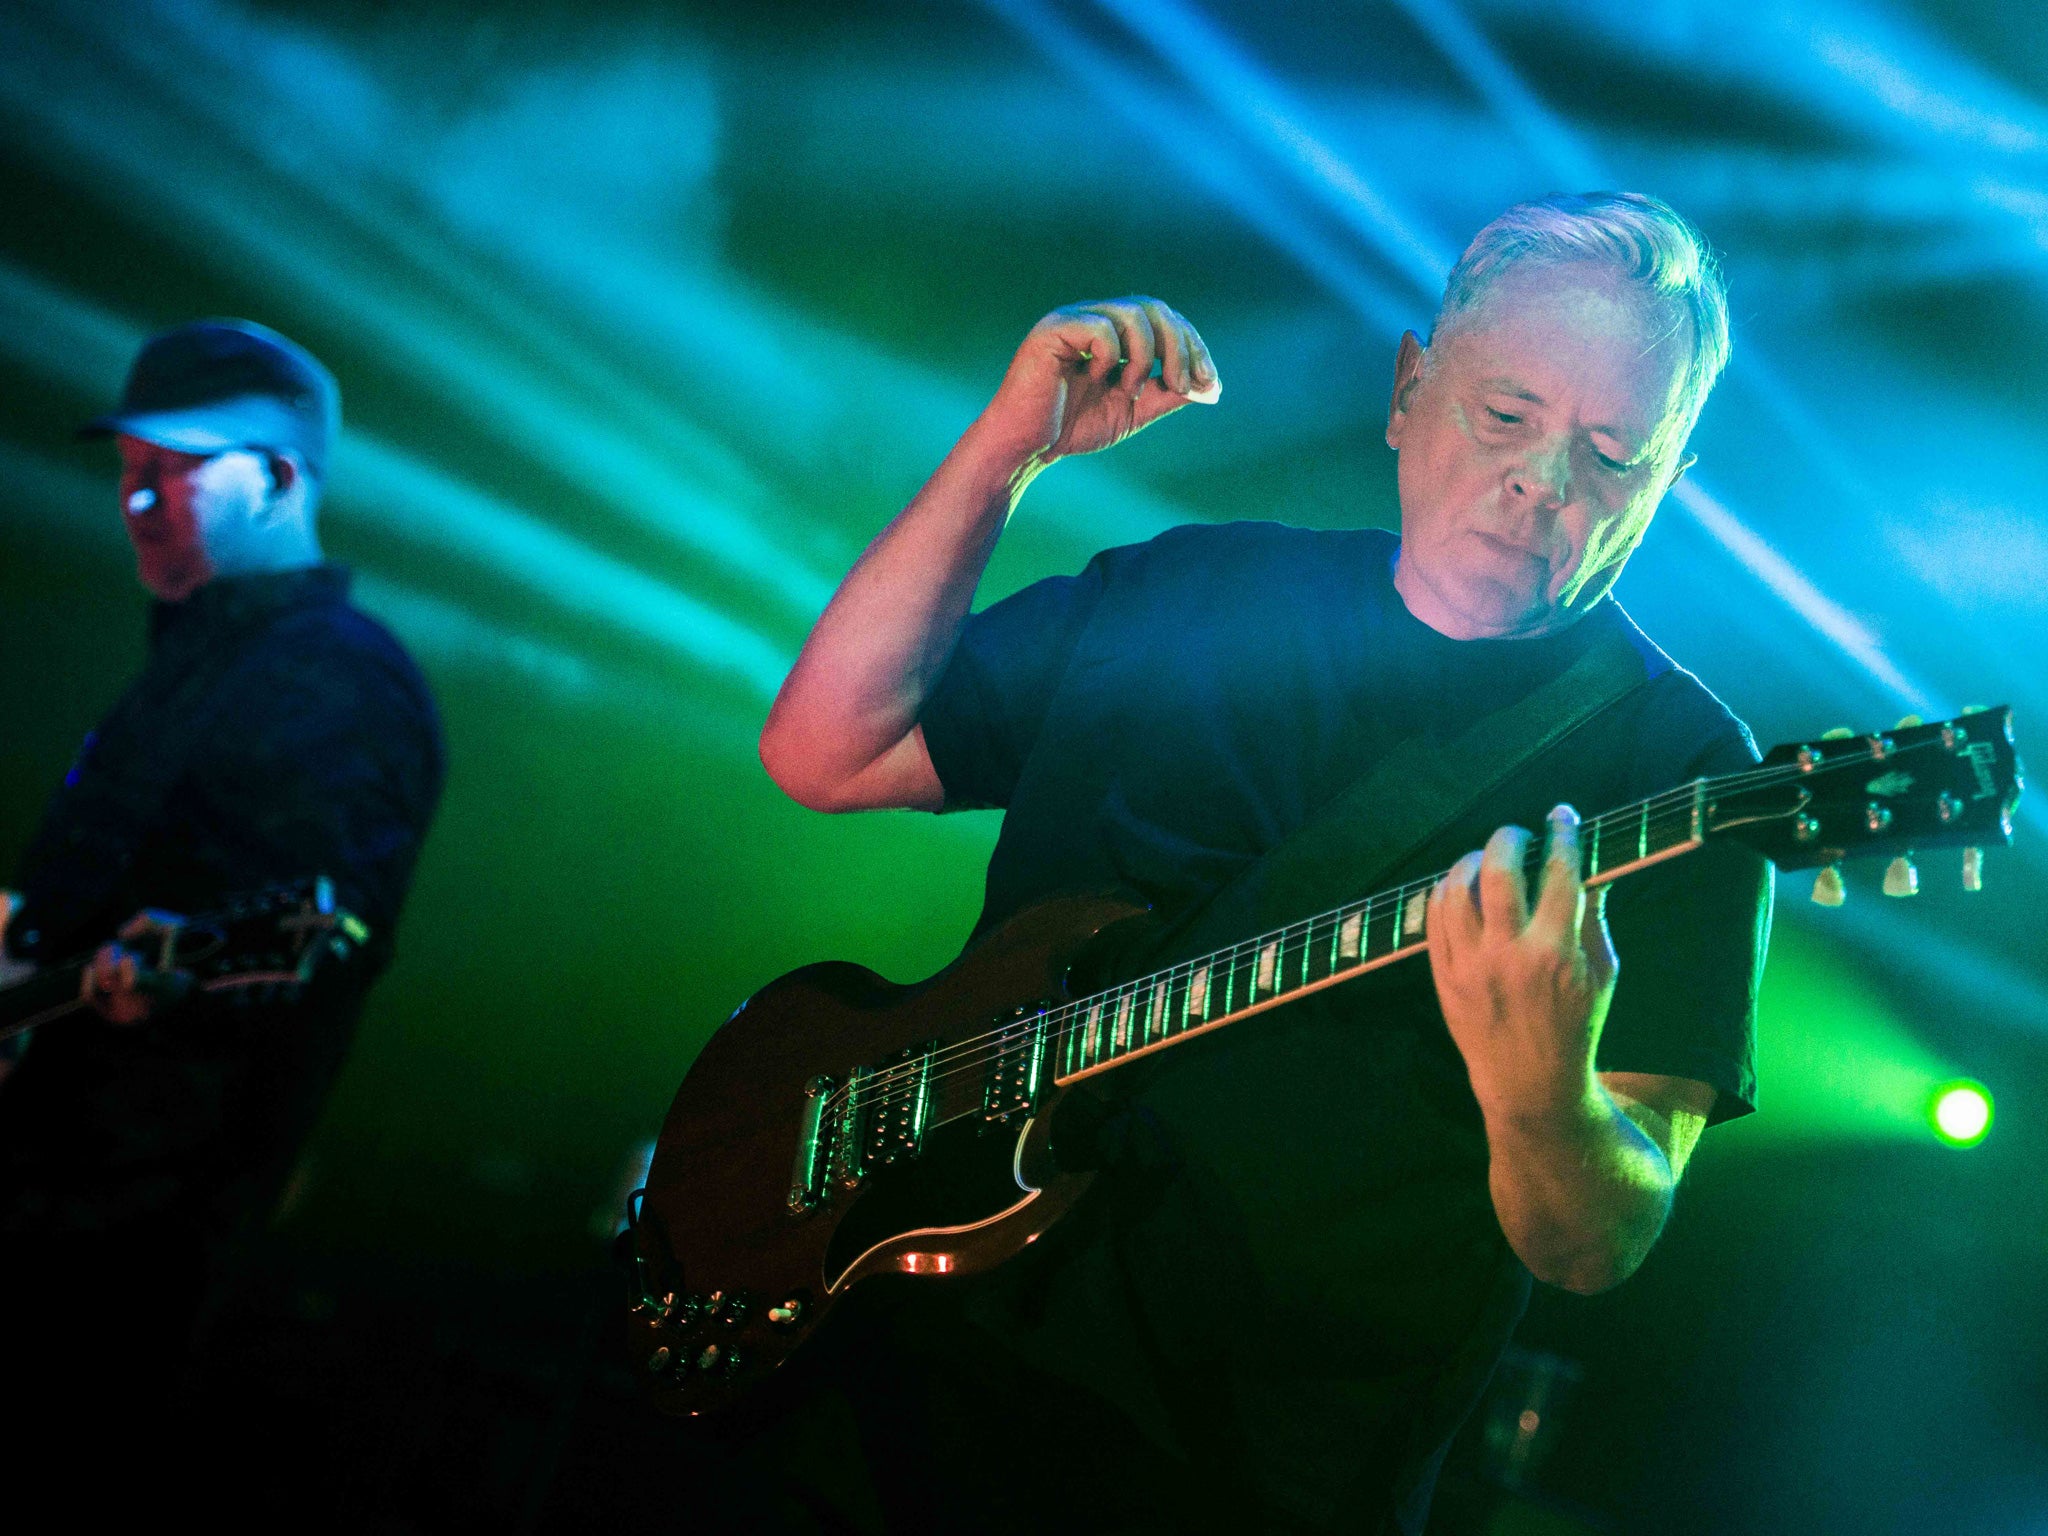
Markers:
{"x": 1085, "y": 377}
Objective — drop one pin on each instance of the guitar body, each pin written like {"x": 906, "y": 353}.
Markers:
{"x": 742, "y": 1255}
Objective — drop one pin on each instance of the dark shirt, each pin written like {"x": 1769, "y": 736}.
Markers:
{"x": 1293, "y": 1275}
{"x": 275, "y": 733}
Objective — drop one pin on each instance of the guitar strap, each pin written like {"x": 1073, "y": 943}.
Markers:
{"x": 1414, "y": 794}
{"x": 1389, "y": 815}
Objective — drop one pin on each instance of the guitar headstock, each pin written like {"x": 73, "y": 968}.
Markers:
{"x": 1811, "y": 803}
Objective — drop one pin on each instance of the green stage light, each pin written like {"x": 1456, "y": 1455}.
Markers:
{"x": 1960, "y": 1113}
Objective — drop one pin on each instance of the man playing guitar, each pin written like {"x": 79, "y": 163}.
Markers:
{"x": 276, "y": 734}
{"x": 1309, "y": 1242}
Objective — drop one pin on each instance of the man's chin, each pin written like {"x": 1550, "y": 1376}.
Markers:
{"x": 169, "y": 581}
{"x": 1508, "y": 611}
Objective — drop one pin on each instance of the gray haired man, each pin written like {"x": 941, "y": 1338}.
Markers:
{"x": 1312, "y": 1236}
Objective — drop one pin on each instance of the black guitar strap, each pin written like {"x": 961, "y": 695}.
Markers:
{"x": 1347, "y": 848}
{"x": 1412, "y": 796}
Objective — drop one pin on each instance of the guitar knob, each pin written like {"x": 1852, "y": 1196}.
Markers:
{"x": 658, "y": 1361}
{"x": 1828, "y": 890}
{"x": 1973, "y": 869}
{"x": 1901, "y": 878}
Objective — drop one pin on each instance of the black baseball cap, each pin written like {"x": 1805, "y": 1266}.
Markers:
{"x": 220, "y": 384}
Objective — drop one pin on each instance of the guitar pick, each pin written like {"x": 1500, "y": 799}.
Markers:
{"x": 1828, "y": 890}
{"x": 1973, "y": 869}
{"x": 1901, "y": 878}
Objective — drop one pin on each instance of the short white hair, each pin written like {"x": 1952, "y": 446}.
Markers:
{"x": 1643, "y": 239}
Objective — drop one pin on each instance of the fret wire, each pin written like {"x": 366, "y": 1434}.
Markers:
{"x": 1662, "y": 822}
{"x": 1232, "y": 981}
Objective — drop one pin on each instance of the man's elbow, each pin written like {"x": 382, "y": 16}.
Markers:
{"x": 1585, "y": 1271}
{"x": 1590, "y": 1278}
{"x": 797, "y": 772}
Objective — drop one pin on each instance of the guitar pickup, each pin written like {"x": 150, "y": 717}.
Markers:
{"x": 850, "y": 1126}
{"x": 888, "y": 1107}
{"x": 1012, "y": 1085}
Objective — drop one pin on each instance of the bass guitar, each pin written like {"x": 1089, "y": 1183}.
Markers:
{"x": 839, "y": 1126}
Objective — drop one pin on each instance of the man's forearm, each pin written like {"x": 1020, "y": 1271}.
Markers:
{"x": 880, "y": 644}
{"x": 1581, "y": 1190}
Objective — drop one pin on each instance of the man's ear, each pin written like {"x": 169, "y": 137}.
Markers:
{"x": 284, "y": 472}
{"x": 1407, "y": 374}
{"x": 1685, "y": 462}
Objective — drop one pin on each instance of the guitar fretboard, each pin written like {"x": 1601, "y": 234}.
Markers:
{"x": 1108, "y": 1028}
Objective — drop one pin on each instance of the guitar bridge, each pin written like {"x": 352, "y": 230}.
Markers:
{"x": 851, "y": 1126}
{"x": 810, "y": 1177}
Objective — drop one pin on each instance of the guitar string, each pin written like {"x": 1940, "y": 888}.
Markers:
{"x": 1226, "y": 959}
{"x": 909, "y": 1080}
{"x": 919, "y": 1079}
{"x": 916, "y": 1078}
{"x": 905, "y": 1082}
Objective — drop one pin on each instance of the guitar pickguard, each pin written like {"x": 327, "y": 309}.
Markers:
{"x": 967, "y": 1179}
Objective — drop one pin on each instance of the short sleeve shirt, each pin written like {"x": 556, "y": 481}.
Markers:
{"x": 1157, "y": 724}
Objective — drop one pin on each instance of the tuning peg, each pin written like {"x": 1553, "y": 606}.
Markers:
{"x": 1901, "y": 878}
{"x": 1907, "y": 722}
{"x": 1973, "y": 869}
{"x": 1828, "y": 890}
{"x": 1975, "y": 709}
{"x": 1839, "y": 733}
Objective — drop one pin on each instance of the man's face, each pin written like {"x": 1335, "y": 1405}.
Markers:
{"x": 1531, "y": 455}
{"x": 200, "y": 509}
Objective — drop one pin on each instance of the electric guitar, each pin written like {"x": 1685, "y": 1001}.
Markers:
{"x": 839, "y": 1126}
{"x": 266, "y": 941}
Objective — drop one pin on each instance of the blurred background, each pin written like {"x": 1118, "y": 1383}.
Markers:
{"x": 649, "y": 315}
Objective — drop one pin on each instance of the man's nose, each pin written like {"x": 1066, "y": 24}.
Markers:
{"x": 1543, "y": 476}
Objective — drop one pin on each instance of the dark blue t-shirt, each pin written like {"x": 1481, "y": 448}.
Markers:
{"x": 1296, "y": 1267}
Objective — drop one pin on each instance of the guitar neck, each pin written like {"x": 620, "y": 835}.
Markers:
{"x": 1136, "y": 1018}
{"x": 47, "y": 994}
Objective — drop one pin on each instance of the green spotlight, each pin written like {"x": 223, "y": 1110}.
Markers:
{"x": 1960, "y": 1112}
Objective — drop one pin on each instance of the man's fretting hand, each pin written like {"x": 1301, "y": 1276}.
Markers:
{"x": 120, "y": 984}
{"x": 1083, "y": 379}
{"x": 1524, "y": 992}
